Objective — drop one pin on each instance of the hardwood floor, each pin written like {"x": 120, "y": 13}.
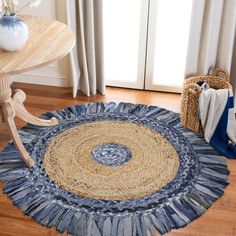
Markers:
{"x": 219, "y": 220}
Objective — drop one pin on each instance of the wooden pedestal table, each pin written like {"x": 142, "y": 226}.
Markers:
{"x": 49, "y": 41}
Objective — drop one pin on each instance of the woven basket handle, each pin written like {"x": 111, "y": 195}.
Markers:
{"x": 193, "y": 88}
{"x": 221, "y": 73}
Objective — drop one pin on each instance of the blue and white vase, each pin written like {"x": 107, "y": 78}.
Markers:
{"x": 13, "y": 33}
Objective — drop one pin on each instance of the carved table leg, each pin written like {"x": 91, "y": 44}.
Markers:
{"x": 18, "y": 99}
{"x": 9, "y": 114}
{"x": 11, "y": 107}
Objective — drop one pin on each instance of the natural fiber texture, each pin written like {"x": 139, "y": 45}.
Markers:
{"x": 189, "y": 112}
{"x": 68, "y": 161}
{"x": 200, "y": 180}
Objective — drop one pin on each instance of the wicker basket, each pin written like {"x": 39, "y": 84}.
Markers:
{"x": 189, "y": 111}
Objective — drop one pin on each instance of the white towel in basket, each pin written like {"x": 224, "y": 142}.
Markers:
{"x": 217, "y": 116}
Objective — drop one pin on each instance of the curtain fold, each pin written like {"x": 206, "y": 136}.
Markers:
{"x": 212, "y": 36}
{"x": 86, "y": 60}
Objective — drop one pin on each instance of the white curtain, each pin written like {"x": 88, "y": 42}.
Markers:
{"x": 86, "y": 60}
{"x": 233, "y": 74}
{"x": 211, "y": 36}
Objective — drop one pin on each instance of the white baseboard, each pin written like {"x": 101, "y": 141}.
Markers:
{"x": 52, "y": 75}
{"x": 40, "y": 80}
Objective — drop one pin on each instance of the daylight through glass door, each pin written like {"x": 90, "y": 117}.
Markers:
{"x": 145, "y": 43}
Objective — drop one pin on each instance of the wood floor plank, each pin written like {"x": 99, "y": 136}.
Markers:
{"x": 219, "y": 220}
{"x": 18, "y": 227}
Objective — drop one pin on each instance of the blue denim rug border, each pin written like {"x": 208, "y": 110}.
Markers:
{"x": 201, "y": 178}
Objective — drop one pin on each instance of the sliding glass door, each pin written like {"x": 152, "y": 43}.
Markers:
{"x": 145, "y": 43}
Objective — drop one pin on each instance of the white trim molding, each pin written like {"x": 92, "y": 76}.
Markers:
{"x": 52, "y": 75}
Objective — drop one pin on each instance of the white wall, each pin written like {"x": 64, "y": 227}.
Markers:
{"x": 55, "y": 74}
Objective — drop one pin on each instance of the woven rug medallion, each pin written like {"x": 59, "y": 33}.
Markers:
{"x": 113, "y": 169}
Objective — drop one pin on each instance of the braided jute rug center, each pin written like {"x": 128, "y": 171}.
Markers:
{"x": 113, "y": 169}
{"x": 111, "y": 160}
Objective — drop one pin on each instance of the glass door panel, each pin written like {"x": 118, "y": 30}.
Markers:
{"x": 167, "y": 44}
{"x": 125, "y": 27}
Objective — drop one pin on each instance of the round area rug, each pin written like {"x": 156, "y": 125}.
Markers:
{"x": 113, "y": 169}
